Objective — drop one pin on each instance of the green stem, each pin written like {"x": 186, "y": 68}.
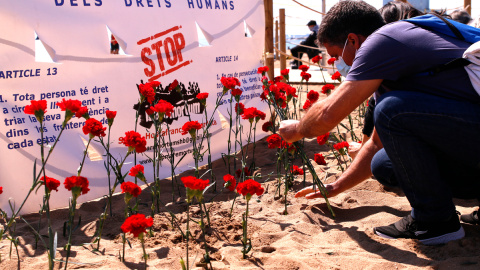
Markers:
{"x": 145, "y": 255}
{"x": 187, "y": 233}
{"x": 245, "y": 228}
{"x": 70, "y": 228}
{"x": 84, "y": 155}
{"x": 109, "y": 160}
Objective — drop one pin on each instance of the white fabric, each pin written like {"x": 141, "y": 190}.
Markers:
{"x": 473, "y": 55}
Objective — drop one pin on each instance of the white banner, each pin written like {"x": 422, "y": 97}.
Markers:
{"x": 54, "y": 49}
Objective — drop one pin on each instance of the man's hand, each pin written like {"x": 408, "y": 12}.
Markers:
{"x": 289, "y": 130}
{"x": 309, "y": 192}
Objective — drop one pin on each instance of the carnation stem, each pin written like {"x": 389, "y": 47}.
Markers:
{"x": 202, "y": 226}
{"x": 145, "y": 255}
{"x": 245, "y": 227}
{"x": 229, "y": 145}
{"x": 84, "y": 155}
{"x": 70, "y": 228}
{"x": 336, "y": 156}
{"x": 47, "y": 204}
{"x": 187, "y": 233}
{"x": 109, "y": 159}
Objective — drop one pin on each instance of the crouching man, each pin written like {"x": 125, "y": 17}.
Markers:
{"x": 427, "y": 128}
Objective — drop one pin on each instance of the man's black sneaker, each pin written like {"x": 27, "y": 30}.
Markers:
{"x": 434, "y": 233}
{"x": 471, "y": 218}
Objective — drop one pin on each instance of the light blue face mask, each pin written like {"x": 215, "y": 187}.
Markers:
{"x": 342, "y": 67}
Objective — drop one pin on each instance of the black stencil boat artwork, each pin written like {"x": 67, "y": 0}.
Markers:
{"x": 186, "y": 95}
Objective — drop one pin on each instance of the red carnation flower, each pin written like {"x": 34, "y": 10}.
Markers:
{"x": 110, "y": 116}
{"x": 305, "y": 76}
{"x": 202, "y": 96}
{"x": 132, "y": 188}
{"x": 173, "y": 85}
{"x": 331, "y": 61}
{"x": 236, "y": 92}
{"x": 262, "y": 70}
{"x": 147, "y": 92}
{"x": 263, "y": 96}
{"x": 51, "y": 183}
{"x": 93, "y": 127}
{"x": 229, "y": 182}
{"x": 72, "y": 105}
{"x": 250, "y": 187}
{"x": 340, "y": 145}
{"x": 327, "y": 88}
{"x": 297, "y": 170}
{"x": 337, "y": 76}
{"x": 239, "y": 108}
{"x": 1, "y": 190}
{"x": 285, "y": 72}
{"x": 274, "y": 141}
{"x": 134, "y": 141}
{"x": 37, "y": 108}
{"x": 82, "y": 112}
{"x": 278, "y": 79}
{"x": 291, "y": 148}
{"x": 229, "y": 83}
{"x": 137, "y": 171}
{"x": 194, "y": 183}
{"x": 137, "y": 224}
{"x": 281, "y": 100}
{"x": 307, "y": 104}
{"x": 154, "y": 84}
{"x": 291, "y": 91}
{"x": 316, "y": 59}
{"x": 191, "y": 127}
{"x": 303, "y": 68}
{"x": 259, "y": 115}
{"x": 77, "y": 184}
{"x": 149, "y": 111}
{"x": 313, "y": 96}
{"x": 249, "y": 114}
{"x": 321, "y": 140}
{"x": 246, "y": 172}
{"x": 266, "y": 127}
{"x": 163, "y": 108}
{"x": 319, "y": 159}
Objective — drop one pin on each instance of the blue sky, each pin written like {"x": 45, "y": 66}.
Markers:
{"x": 298, "y": 16}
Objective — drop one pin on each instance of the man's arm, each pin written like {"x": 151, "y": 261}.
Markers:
{"x": 323, "y": 116}
{"x": 356, "y": 173}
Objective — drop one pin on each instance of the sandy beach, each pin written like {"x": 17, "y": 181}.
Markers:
{"x": 306, "y": 238}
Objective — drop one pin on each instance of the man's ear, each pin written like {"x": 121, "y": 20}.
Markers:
{"x": 354, "y": 39}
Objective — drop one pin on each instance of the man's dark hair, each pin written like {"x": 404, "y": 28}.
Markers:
{"x": 348, "y": 17}
{"x": 461, "y": 15}
{"x": 396, "y": 10}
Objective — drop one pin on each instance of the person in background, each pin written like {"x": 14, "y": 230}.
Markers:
{"x": 114, "y": 46}
{"x": 299, "y": 50}
{"x": 461, "y": 16}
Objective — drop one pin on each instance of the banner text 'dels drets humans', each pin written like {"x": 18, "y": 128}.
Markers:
{"x": 192, "y": 4}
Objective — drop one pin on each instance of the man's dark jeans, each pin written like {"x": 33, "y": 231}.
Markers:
{"x": 431, "y": 150}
